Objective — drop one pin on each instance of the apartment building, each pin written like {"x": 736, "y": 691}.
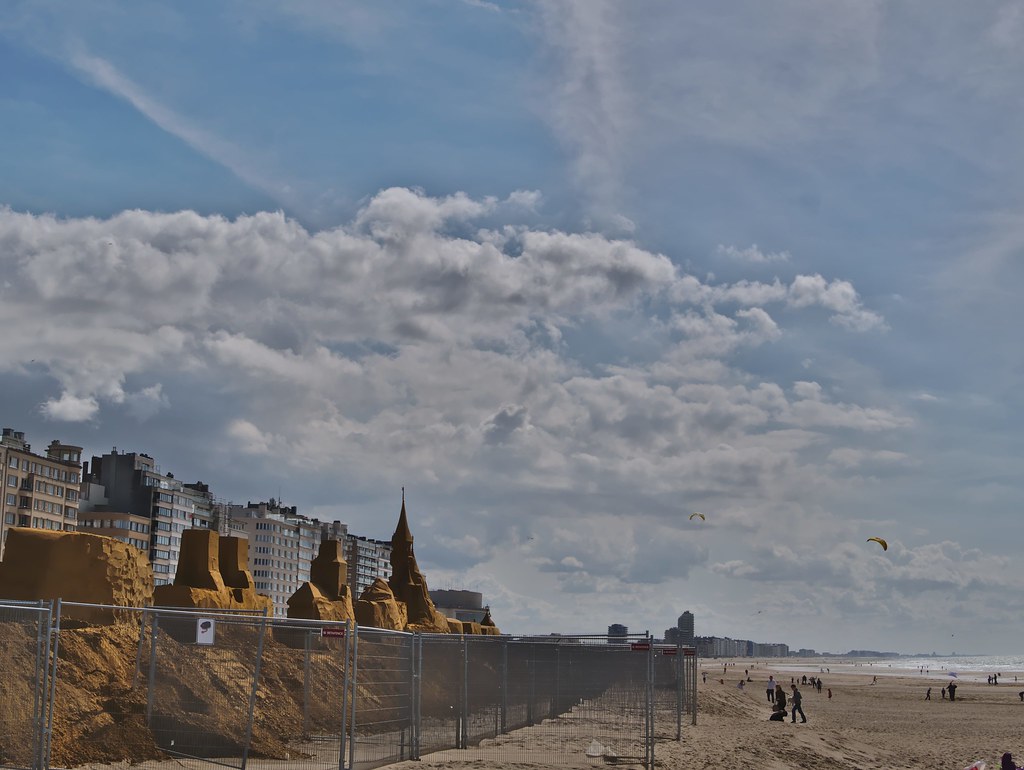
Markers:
{"x": 40, "y": 491}
{"x": 368, "y": 559}
{"x": 132, "y": 483}
{"x": 282, "y": 543}
{"x": 126, "y": 527}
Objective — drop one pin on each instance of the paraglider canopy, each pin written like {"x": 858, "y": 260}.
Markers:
{"x": 694, "y": 515}
{"x": 885, "y": 545}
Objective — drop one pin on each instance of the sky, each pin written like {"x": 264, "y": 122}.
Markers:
{"x": 569, "y": 272}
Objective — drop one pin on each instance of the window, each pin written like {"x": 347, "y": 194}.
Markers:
{"x": 12, "y": 499}
{"x": 8, "y": 518}
{"x": 13, "y": 462}
{"x": 12, "y": 481}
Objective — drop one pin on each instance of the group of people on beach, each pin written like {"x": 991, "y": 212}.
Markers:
{"x": 777, "y": 697}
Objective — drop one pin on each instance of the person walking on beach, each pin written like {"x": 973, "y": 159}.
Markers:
{"x": 771, "y": 689}
{"x": 705, "y": 675}
{"x": 780, "y": 699}
{"x": 928, "y": 695}
{"x": 952, "y": 690}
{"x": 830, "y": 693}
{"x": 943, "y": 693}
{"x": 797, "y": 701}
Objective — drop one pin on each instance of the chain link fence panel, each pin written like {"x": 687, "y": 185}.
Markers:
{"x": 25, "y": 636}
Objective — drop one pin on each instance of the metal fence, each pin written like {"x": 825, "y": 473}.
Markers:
{"x": 97, "y": 684}
{"x": 25, "y": 638}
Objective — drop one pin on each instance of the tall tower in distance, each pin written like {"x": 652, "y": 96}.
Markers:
{"x": 685, "y": 626}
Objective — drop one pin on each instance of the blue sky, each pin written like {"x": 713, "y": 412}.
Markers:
{"x": 568, "y": 271}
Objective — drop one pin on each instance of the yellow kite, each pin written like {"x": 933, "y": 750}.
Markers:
{"x": 885, "y": 545}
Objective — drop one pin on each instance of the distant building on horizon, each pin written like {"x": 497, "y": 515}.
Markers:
{"x": 617, "y": 631}
{"x": 685, "y": 626}
{"x": 461, "y": 605}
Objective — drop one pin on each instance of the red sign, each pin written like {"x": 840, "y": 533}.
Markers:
{"x": 332, "y": 632}
{"x": 690, "y": 653}
{"x": 669, "y": 651}
{"x": 640, "y": 646}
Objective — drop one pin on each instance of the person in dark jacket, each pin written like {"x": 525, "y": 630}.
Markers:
{"x": 797, "y": 700}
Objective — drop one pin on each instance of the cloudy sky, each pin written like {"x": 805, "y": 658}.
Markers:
{"x": 567, "y": 271}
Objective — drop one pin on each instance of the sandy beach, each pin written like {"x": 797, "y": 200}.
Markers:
{"x": 883, "y": 725}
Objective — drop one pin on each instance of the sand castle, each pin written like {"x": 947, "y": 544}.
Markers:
{"x": 213, "y": 573}
{"x": 75, "y": 567}
{"x": 326, "y": 596}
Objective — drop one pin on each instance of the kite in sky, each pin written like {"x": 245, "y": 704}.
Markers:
{"x": 885, "y": 545}
{"x": 697, "y": 514}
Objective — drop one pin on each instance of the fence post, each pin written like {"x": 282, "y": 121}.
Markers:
{"x": 55, "y": 633}
{"x": 153, "y": 633}
{"x": 504, "y": 685}
{"x": 532, "y": 692}
{"x": 693, "y": 688}
{"x": 413, "y": 676}
{"x": 307, "y": 644}
{"x": 255, "y": 687}
{"x": 355, "y": 682}
{"x": 344, "y": 695}
{"x": 681, "y": 670}
{"x": 138, "y": 649}
{"x": 556, "y": 702}
{"x": 418, "y": 701}
{"x": 648, "y": 710}
{"x": 464, "y": 697}
{"x": 38, "y": 698}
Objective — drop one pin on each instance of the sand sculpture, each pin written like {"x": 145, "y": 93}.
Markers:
{"x": 326, "y": 596}
{"x": 408, "y": 584}
{"x": 202, "y": 581}
{"x": 76, "y": 567}
{"x": 403, "y": 602}
{"x": 379, "y": 608}
{"x": 487, "y": 627}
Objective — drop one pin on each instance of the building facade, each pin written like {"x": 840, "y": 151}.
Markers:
{"x": 368, "y": 559}
{"x": 40, "y": 491}
{"x": 461, "y": 605}
{"x": 132, "y": 483}
{"x": 282, "y": 544}
{"x": 126, "y": 527}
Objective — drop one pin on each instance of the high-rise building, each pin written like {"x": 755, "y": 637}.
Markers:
{"x": 40, "y": 491}
{"x": 282, "y": 543}
{"x": 131, "y": 482}
{"x": 617, "y": 631}
{"x": 368, "y": 559}
{"x": 685, "y": 626}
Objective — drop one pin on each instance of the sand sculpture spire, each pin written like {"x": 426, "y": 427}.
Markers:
{"x": 404, "y": 570}
{"x": 407, "y": 582}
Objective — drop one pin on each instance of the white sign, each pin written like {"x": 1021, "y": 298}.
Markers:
{"x": 204, "y": 630}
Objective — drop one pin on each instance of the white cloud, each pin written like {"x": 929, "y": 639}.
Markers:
{"x": 752, "y": 254}
{"x": 71, "y": 408}
{"x": 391, "y": 351}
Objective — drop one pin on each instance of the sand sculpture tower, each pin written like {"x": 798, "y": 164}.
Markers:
{"x": 326, "y": 595}
{"x": 407, "y": 582}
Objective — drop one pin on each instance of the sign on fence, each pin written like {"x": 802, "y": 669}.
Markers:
{"x": 640, "y": 646}
{"x": 205, "y": 628}
{"x": 329, "y": 632}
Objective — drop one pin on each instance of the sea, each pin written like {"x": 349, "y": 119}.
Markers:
{"x": 972, "y": 668}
